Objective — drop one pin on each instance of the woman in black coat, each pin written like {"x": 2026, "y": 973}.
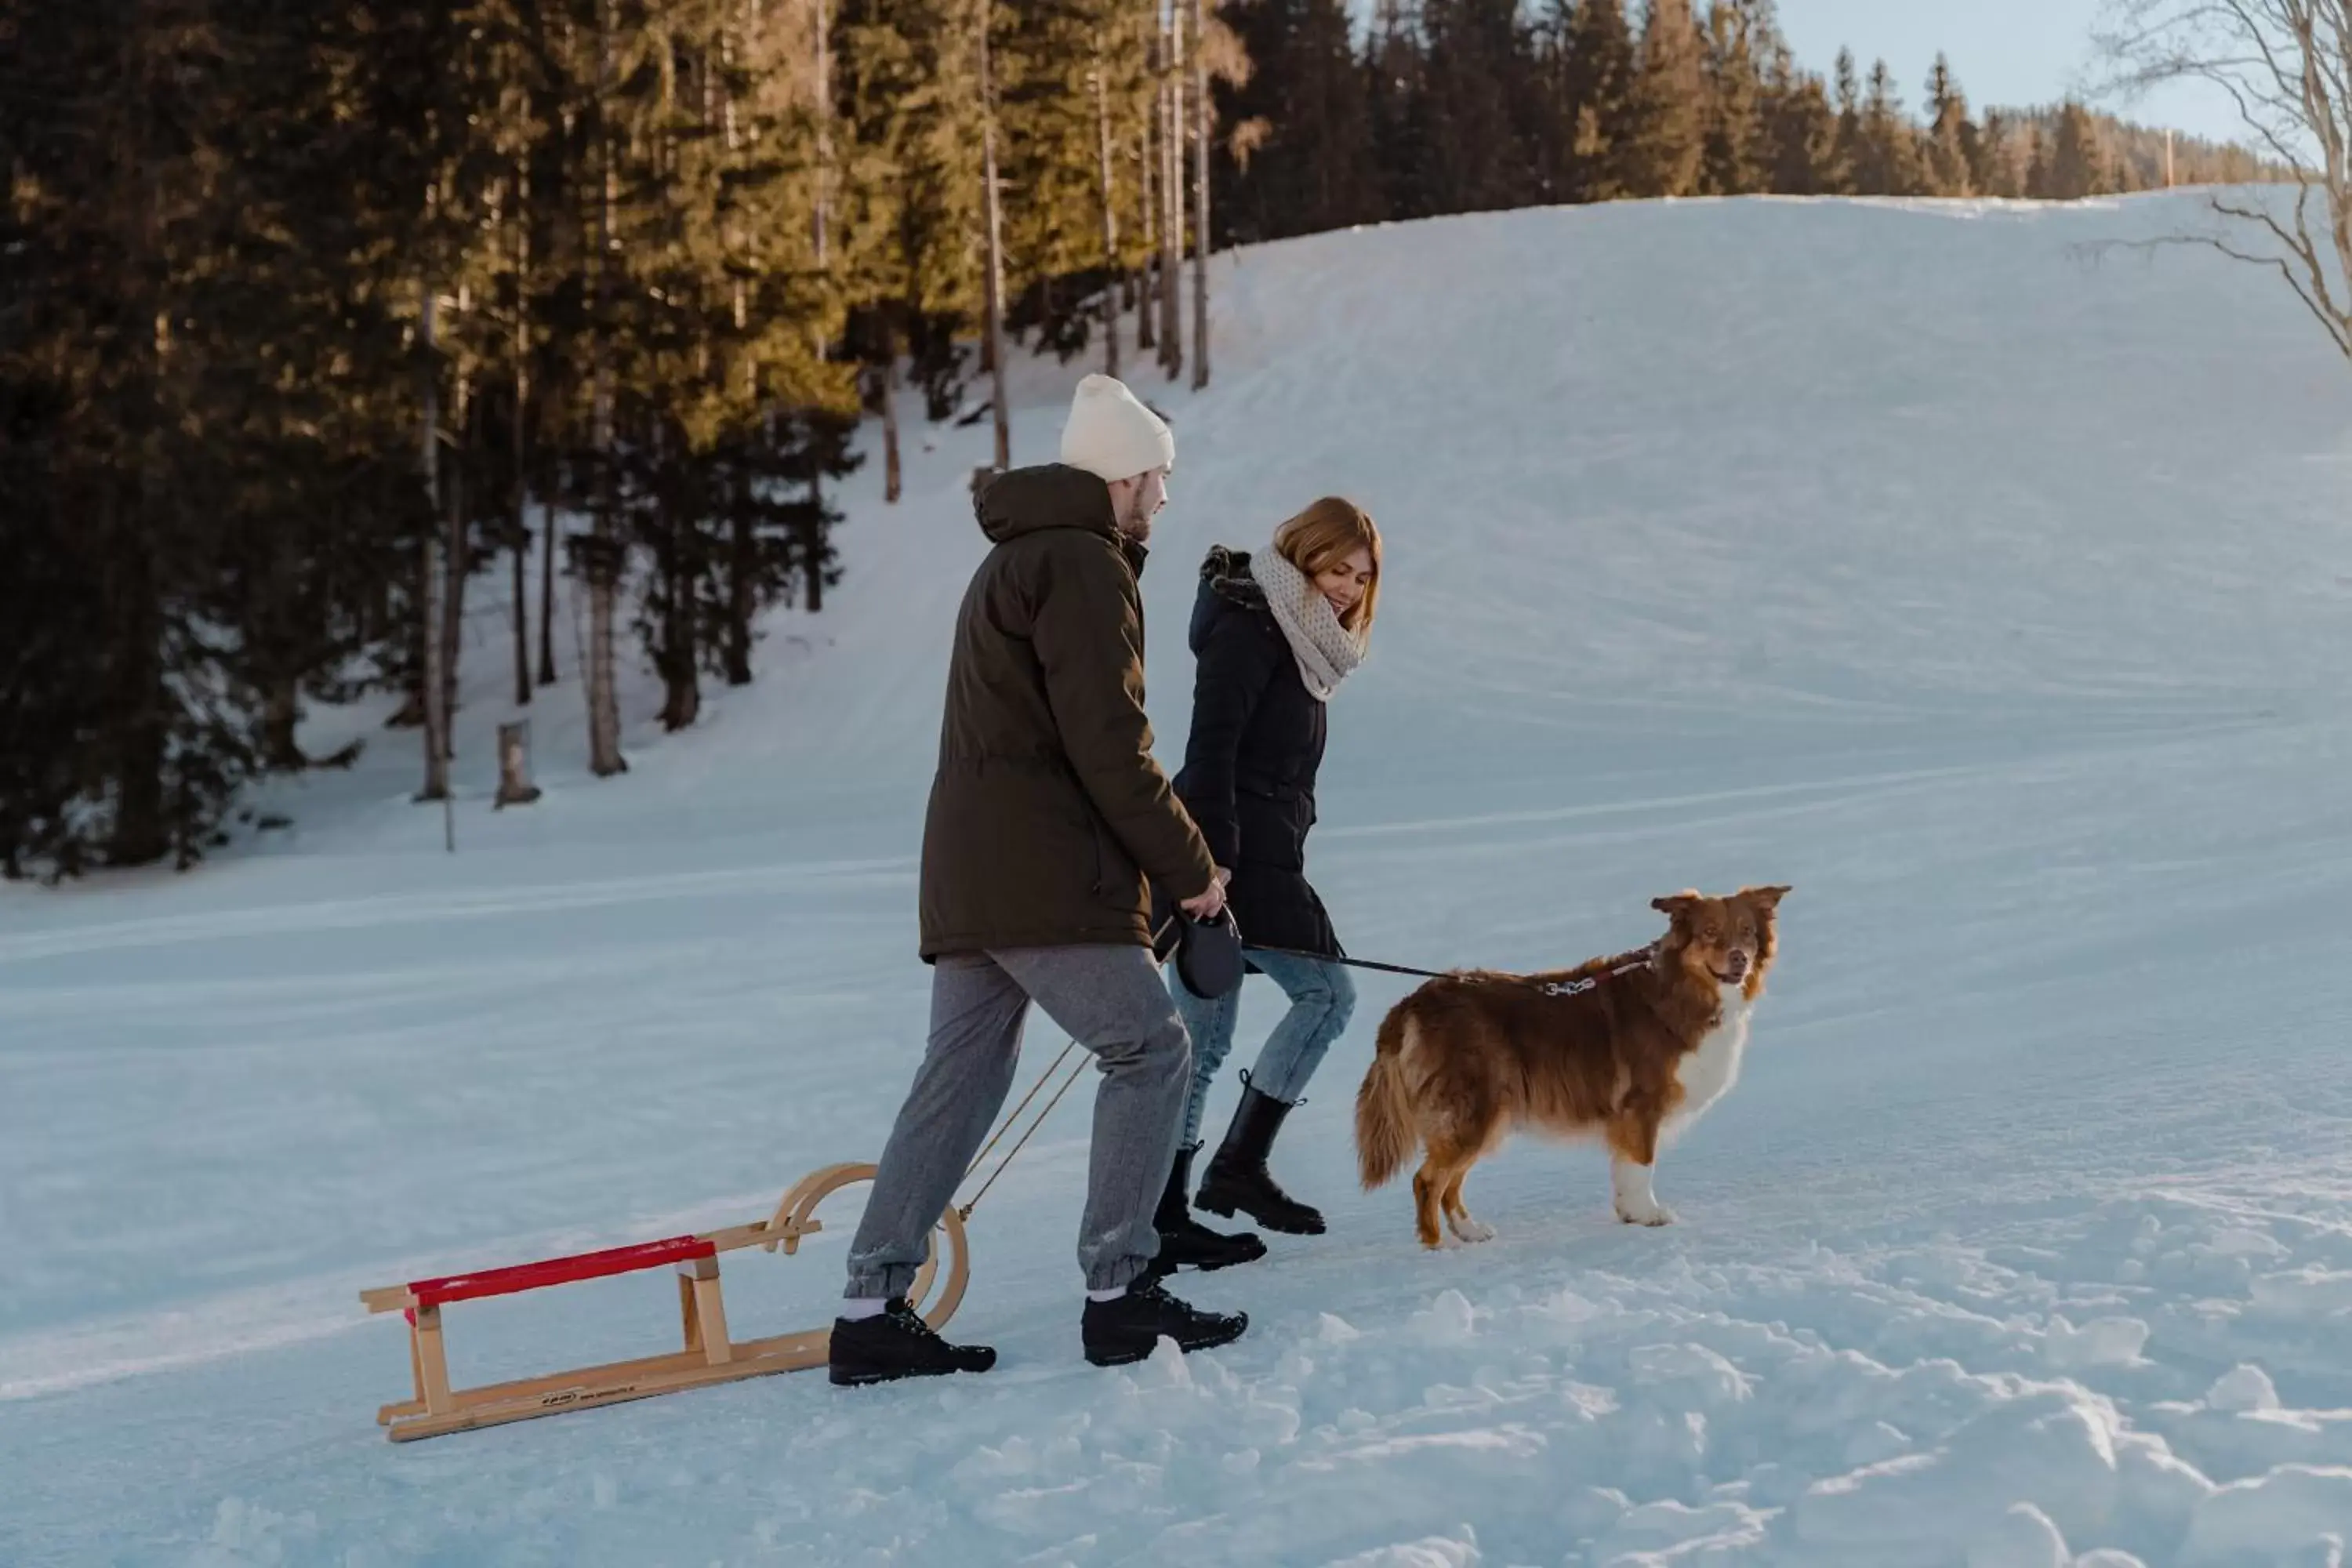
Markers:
{"x": 1273, "y": 636}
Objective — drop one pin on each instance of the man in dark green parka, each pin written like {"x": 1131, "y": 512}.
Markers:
{"x": 1049, "y": 821}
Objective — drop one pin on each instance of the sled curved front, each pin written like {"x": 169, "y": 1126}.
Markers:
{"x": 795, "y": 1218}
{"x": 710, "y": 1354}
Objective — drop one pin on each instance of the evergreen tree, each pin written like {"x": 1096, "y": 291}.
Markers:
{"x": 1998, "y": 168}
{"x": 1044, "y": 53}
{"x": 1478, "y": 83}
{"x": 171, "y": 280}
{"x": 2076, "y": 165}
{"x": 1953, "y": 155}
{"x": 1887, "y": 160}
{"x": 1398, "y": 104}
{"x": 1668, "y": 146}
{"x": 1739, "y": 145}
{"x": 910, "y": 116}
{"x": 1846, "y": 152}
{"x": 1599, "y": 73}
{"x": 1306, "y": 162}
{"x": 1801, "y": 129}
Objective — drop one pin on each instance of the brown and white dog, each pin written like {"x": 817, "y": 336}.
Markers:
{"x": 1630, "y": 1049}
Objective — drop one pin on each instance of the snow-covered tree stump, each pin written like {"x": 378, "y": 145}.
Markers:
{"x": 515, "y": 787}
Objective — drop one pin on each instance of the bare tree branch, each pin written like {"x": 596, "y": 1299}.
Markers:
{"x": 2337, "y": 333}
{"x": 2286, "y": 66}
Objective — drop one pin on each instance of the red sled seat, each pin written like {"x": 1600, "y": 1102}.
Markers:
{"x": 519, "y": 1277}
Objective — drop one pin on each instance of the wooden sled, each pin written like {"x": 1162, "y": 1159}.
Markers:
{"x": 710, "y": 1353}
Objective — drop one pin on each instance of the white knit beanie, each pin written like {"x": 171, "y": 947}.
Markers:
{"x": 1112, "y": 436}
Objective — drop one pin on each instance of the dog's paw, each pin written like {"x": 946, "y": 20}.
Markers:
{"x": 1653, "y": 1213}
{"x": 1473, "y": 1230}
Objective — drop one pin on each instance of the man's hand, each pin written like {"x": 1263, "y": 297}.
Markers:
{"x": 1211, "y": 904}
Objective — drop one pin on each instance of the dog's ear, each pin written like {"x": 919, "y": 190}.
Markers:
{"x": 1675, "y": 906}
{"x": 1764, "y": 898}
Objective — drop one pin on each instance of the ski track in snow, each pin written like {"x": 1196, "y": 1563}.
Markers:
{"x": 1992, "y": 597}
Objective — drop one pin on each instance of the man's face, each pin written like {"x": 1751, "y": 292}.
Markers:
{"x": 1137, "y": 502}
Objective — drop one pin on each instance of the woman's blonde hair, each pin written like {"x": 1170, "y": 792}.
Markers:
{"x": 1323, "y": 533}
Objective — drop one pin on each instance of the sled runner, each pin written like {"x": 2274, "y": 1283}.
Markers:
{"x": 710, "y": 1353}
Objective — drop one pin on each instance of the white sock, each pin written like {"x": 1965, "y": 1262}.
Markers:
{"x": 1106, "y": 1295}
{"x": 857, "y": 1307}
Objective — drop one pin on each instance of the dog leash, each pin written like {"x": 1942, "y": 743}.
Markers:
{"x": 1640, "y": 960}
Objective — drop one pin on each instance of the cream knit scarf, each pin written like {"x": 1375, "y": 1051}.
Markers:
{"x": 1324, "y": 650}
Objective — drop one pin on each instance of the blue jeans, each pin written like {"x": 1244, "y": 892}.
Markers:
{"x": 1322, "y": 999}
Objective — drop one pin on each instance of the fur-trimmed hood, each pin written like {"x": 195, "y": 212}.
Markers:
{"x": 1225, "y": 580}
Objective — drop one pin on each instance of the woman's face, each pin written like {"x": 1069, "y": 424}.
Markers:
{"x": 1344, "y": 579}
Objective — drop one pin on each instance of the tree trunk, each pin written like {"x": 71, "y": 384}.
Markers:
{"x": 1147, "y": 187}
{"x": 139, "y": 833}
{"x": 823, "y": 96}
{"x": 742, "y": 563}
{"x": 139, "y": 837}
{"x": 458, "y": 565}
{"x": 273, "y": 638}
{"x": 1172, "y": 186}
{"x": 995, "y": 281}
{"x": 522, "y": 612}
{"x": 604, "y": 757}
{"x": 515, "y": 787}
{"x": 281, "y": 714}
{"x": 429, "y": 684}
{"x": 1109, "y": 219}
{"x": 812, "y": 532}
{"x": 891, "y": 485}
{"x": 681, "y": 691}
{"x": 522, "y": 440}
{"x": 812, "y": 552}
{"x": 607, "y": 553}
{"x": 547, "y": 587}
{"x": 1203, "y": 115}
{"x": 375, "y": 606}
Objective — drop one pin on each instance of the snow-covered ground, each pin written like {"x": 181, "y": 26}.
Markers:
{"x": 1992, "y": 593}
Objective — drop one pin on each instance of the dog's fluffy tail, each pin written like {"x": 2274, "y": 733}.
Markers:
{"x": 1384, "y": 1129}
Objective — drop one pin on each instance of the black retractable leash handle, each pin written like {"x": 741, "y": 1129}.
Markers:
{"x": 1209, "y": 954}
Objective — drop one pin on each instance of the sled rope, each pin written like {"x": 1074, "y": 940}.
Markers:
{"x": 1006, "y": 1125}
{"x": 1039, "y": 1121}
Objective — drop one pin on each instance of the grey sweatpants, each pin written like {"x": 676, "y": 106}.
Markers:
{"x": 1112, "y": 1000}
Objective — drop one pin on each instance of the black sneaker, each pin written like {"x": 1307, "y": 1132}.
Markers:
{"x": 895, "y": 1343}
{"x": 1127, "y": 1328}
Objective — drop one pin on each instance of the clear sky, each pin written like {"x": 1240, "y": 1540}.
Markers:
{"x": 2003, "y": 51}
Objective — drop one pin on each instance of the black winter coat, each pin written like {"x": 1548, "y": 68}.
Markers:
{"x": 1250, "y": 761}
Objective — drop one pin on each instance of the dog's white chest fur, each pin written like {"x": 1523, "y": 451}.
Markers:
{"x": 1707, "y": 1073}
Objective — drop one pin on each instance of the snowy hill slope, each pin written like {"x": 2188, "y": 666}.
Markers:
{"x": 1992, "y": 594}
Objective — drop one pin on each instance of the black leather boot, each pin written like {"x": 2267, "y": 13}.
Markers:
{"x": 1185, "y": 1242}
{"x": 1237, "y": 1177}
